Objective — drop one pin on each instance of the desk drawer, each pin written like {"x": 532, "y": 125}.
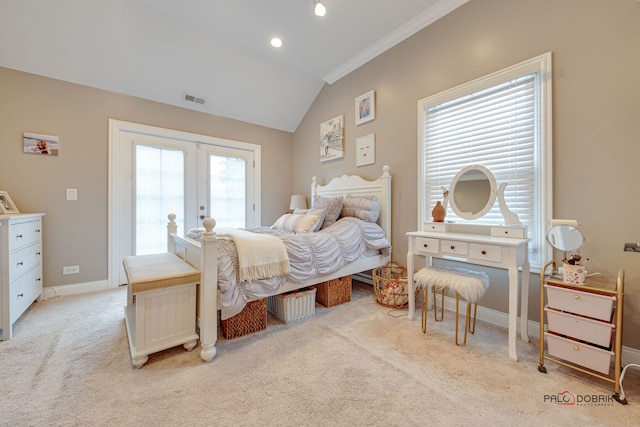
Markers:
{"x": 583, "y": 303}
{"x": 485, "y": 252}
{"x": 580, "y": 353}
{"x": 425, "y": 245}
{"x": 581, "y": 328}
{"x": 453, "y": 247}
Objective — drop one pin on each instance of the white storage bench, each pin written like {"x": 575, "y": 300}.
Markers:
{"x": 161, "y": 304}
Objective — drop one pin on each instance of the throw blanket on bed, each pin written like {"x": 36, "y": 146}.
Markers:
{"x": 259, "y": 255}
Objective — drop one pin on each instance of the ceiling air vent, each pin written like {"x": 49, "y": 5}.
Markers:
{"x": 193, "y": 98}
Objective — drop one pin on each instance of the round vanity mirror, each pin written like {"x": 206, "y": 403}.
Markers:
{"x": 473, "y": 192}
{"x": 566, "y": 238}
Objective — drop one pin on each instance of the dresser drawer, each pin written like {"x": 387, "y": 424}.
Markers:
{"x": 582, "y": 354}
{"x": 453, "y": 247}
{"x": 425, "y": 245}
{"x": 583, "y": 303}
{"x": 24, "y": 233}
{"x": 581, "y": 328}
{"x": 24, "y": 260}
{"x": 24, "y": 291}
{"x": 485, "y": 252}
{"x": 507, "y": 231}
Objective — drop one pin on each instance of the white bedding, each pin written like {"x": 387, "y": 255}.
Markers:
{"x": 310, "y": 255}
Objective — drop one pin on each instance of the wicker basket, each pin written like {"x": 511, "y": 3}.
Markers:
{"x": 334, "y": 292}
{"x": 293, "y": 306}
{"x": 390, "y": 285}
{"x": 252, "y": 318}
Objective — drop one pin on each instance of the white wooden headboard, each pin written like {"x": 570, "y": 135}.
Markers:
{"x": 354, "y": 185}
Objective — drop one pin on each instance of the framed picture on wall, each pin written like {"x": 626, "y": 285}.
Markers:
{"x": 6, "y": 204}
{"x": 366, "y": 150}
{"x": 365, "y": 108}
{"x": 34, "y": 143}
{"x": 332, "y": 139}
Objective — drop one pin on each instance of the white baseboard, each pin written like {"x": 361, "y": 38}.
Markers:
{"x": 498, "y": 318}
{"x": 74, "y": 289}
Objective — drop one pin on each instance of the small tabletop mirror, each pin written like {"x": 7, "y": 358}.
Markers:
{"x": 472, "y": 192}
{"x": 566, "y": 238}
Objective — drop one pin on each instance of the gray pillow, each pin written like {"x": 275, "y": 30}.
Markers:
{"x": 366, "y": 208}
{"x": 332, "y": 207}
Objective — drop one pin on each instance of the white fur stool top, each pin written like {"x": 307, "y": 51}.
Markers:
{"x": 469, "y": 284}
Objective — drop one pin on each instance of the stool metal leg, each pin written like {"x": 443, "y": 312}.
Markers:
{"x": 435, "y": 305}
{"x": 425, "y": 306}
{"x": 467, "y": 321}
{"x": 475, "y": 311}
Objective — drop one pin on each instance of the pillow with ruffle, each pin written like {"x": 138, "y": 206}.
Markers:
{"x": 332, "y": 207}
{"x": 317, "y": 212}
{"x": 366, "y": 208}
{"x": 297, "y": 223}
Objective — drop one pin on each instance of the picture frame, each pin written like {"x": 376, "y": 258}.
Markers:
{"x": 365, "y": 108}
{"x": 332, "y": 139}
{"x": 35, "y": 143}
{"x": 6, "y": 204}
{"x": 366, "y": 150}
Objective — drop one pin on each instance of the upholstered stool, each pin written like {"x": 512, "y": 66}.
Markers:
{"x": 468, "y": 284}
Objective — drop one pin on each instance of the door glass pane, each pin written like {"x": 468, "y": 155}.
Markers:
{"x": 227, "y": 190}
{"x": 159, "y": 192}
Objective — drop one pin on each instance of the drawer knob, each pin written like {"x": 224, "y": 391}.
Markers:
{"x": 576, "y": 348}
{"x": 426, "y": 245}
{"x": 20, "y": 295}
{"x": 38, "y": 253}
{"x": 20, "y": 263}
{"x": 452, "y": 247}
{"x": 483, "y": 252}
{"x": 38, "y": 230}
{"x": 576, "y": 297}
{"x": 18, "y": 236}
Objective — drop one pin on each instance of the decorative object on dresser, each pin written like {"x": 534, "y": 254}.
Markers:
{"x": 6, "y": 204}
{"x": 20, "y": 266}
{"x": 438, "y": 213}
{"x": 505, "y": 245}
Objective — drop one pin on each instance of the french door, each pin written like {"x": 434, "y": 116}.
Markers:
{"x": 164, "y": 172}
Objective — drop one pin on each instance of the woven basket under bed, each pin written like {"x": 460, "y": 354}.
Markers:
{"x": 390, "y": 285}
{"x": 252, "y": 318}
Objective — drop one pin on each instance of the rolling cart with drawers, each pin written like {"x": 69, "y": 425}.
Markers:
{"x": 584, "y": 325}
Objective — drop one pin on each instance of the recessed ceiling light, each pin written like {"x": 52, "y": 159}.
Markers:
{"x": 318, "y": 8}
{"x": 276, "y": 42}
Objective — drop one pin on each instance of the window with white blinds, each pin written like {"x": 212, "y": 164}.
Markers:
{"x": 500, "y": 122}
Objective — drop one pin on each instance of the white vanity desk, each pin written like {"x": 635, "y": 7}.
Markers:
{"x": 472, "y": 195}
{"x": 483, "y": 249}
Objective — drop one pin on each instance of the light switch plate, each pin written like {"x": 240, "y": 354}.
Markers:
{"x": 72, "y": 194}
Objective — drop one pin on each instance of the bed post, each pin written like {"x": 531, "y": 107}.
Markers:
{"x": 208, "y": 298}
{"x": 172, "y": 228}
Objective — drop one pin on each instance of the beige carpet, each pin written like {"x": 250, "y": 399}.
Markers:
{"x": 358, "y": 364}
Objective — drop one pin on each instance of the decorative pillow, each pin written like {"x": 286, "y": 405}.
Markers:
{"x": 297, "y": 223}
{"x": 318, "y": 212}
{"x": 332, "y": 207}
{"x": 195, "y": 233}
{"x": 366, "y": 208}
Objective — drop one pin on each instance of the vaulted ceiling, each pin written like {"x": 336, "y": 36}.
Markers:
{"x": 216, "y": 50}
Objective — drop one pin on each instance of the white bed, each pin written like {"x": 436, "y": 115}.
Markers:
{"x": 203, "y": 254}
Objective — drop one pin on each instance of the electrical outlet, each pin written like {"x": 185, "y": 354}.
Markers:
{"x": 71, "y": 269}
{"x": 72, "y": 194}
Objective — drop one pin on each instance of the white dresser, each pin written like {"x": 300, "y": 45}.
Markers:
{"x": 20, "y": 266}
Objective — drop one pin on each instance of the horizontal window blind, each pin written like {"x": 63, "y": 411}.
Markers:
{"x": 494, "y": 128}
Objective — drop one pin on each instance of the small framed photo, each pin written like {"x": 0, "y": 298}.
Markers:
{"x": 366, "y": 150}
{"x": 34, "y": 143}
{"x": 365, "y": 107}
{"x": 6, "y": 204}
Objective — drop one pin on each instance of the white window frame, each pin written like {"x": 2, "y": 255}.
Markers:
{"x": 539, "y": 251}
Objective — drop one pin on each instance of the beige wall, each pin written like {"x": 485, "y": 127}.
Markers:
{"x": 75, "y": 233}
{"x": 596, "y": 125}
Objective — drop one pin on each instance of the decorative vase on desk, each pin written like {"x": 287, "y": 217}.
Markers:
{"x": 438, "y": 212}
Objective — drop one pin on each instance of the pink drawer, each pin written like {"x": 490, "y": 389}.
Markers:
{"x": 584, "y": 303}
{"x": 580, "y": 328}
{"x": 582, "y": 354}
